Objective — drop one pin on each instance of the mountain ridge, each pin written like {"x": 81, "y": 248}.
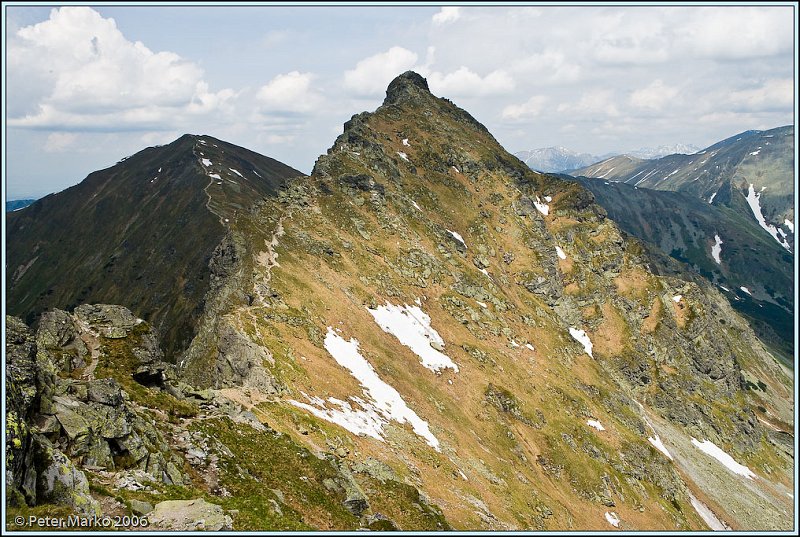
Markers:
{"x": 426, "y": 334}
{"x": 144, "y": 200}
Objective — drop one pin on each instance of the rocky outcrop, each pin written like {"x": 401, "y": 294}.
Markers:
{"x": 241, "y": 363}
{"x": 61, "y": 418}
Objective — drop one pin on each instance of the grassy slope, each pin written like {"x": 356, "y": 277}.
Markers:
{"x": 135, "y": 236}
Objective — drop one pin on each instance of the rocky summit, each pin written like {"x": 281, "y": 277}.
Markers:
{"x": 423, "y": 334}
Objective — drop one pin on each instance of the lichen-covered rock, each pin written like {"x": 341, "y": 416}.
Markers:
{"x": 58, "y": 335}
{"x": 240, "y": 362}
{"x": 59, "y": 481}
{"x": 21, "y": 403}
{"x": 190, "y": 515}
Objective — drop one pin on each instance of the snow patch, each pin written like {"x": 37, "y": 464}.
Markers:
{"x": 788, "y": 223}
{"x": 541, "y": 207}
{"x": 596, "y": 424}
{"x": 548, "y": 199}
{"x": 236, "y": 172}
{"x": 482, "y": 304}
{"x": 753, "y": 199}
{"x": 659, "y": 445}
{"x": 756, "y": 152}
{"x": 560, "y": 253}
{"x": 405, "y": 142}
{"x": 709, "y": 448}
{"x": 485, "y": 272}
{"x": 612, "y": 518}
{"x": 205, "y": 162}
{"x": 711, "y": 199}
{"x": 403, "y": 155}
{"x": 746, "y": 290}
{"x": 412, "y": 327}
{"x": 514, "y": 344}
{"x": 414, "y": 203}
{"x": 214, "y": 176}
{"x": 529, "y": 346}
{"x": 677, "y": 298}
{"x": 707, "y": 514}
{"x": 384, "y": 403}
{"x": 717, "y": 249}
{"x": 457, "y": 237}
{"x": 581, "y": 337}
{"x": 725, "y": 288}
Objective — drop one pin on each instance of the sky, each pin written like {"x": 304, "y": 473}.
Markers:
{"x": 87, "y": 86}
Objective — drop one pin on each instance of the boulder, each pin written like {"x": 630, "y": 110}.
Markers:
{"x": 190, "y": 515}
{"x": 60, "y": 482}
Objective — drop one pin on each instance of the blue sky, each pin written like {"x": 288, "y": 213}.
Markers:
{"x": 87, "y": 86}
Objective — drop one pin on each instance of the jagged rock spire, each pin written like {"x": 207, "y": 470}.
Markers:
{"x": 406, "y": 86}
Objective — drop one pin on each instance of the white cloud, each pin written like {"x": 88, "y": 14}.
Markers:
{"x": 735, "y": 32}
{"x": 371, "y": 75}
{"x": 654, "y": 96}
{"x": 548, "y": 66}
{"x": 530, "y": 108}
{"x": 96, "y": 78}
{"x": 447, "y": 15}
{"x": 592, "y": 102}
{"x": 289, "y": 93}
{"x": 628, "y": 37}
{"x": 465, "y": 83}
{"x": 58, "y": 142}
{"x": 776, "y": 94}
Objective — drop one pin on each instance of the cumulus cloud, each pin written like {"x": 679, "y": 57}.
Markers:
{"x": 465, "y": 83}
{"x": 371, "y": 75}
{"x": 447, "y": 15}
{"x": 653, "y": 97}
{"x": 530, "y": 108}
{"x": 735, "y": 33}
{"x": 290, "y": 92}
{"x": 95, "y": 78}
{"x": 592, "y": 102}
{"x": 776, "y": 94}
{"x": 549, "y": 65}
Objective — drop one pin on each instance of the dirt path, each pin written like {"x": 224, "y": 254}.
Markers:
{"x": 90, "y": 339}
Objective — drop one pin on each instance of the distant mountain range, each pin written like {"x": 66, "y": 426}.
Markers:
{"x": 752, "y": 172}
{"x": 15, "y": 205}
{"x": 555, "y": 159}
{"x": 562, "y": 159}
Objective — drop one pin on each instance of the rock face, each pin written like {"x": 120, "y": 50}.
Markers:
{"x": 61, "y": 418}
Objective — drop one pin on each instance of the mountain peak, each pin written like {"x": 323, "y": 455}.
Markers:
{"x": 406, "y": 86}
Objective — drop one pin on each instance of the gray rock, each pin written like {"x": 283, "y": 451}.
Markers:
{"x": 105, "y": 392}
{"x": 240, "y": 362}
{"x": 190, "y": 515}
{"x": 140, "y": 508}
{"x": 72, "y": 422}
{"x": 60, "y": 482}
